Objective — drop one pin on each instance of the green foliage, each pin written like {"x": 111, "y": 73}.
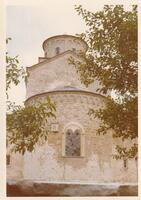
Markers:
{"x": 14, "y": 72}
{"x": 111, "y": 59}
{"x": 121, "y": 117}
{"x": 112, "y": 52}
{"x": 27, "y": 125}
{"x": 124, "y": 153}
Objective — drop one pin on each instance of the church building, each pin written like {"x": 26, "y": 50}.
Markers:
{"x": 73, "y": 153}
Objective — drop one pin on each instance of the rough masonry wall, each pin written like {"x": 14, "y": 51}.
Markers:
{"x": 64, "y": 44}
{"x": 53, "y": 75}
{"x": 97, "y": 165}
{"x": 15, "y": 167}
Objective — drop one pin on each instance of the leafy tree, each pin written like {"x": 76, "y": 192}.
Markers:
{"x": 111, "y": 59}
{"x": 29, "y": 124}
{"x": 13, "y": 71}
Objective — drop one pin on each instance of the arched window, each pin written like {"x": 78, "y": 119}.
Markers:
{"x": 72, "y": 143}
{"x": 57, "y": 50}
{"x": 73, "y": 140}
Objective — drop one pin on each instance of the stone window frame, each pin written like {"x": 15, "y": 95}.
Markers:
{"x": 73, "y": 126}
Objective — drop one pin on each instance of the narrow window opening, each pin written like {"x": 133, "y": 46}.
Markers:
{"x": 7, "y": 159}
{"x": 45, "y": 54}
{"x": 57, "y": 50}
{"x": 7, "y": 143}
{"x": 74, "y": 50}
{"x": 125, "y": 164}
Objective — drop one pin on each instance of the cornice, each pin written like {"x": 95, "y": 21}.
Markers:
{"x": 65, "y": 92}
{"x": 64, "y": 36}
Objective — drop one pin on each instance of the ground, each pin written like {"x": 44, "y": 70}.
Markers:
{"x": 50, "y": 189}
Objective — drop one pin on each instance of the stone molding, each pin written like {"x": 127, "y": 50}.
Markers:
{"x": 79, "y": 93}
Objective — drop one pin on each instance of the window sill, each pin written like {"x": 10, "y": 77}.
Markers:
{"x": 73, "y": 156}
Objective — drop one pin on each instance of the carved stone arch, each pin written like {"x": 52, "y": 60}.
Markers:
{"x": 73, "y": 126}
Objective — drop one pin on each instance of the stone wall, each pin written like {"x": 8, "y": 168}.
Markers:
{"x": 64, "y": 42}
{"x": 54, "y": 74}
{"x": 15, "y": 167}
{"x": 96, "y": 165}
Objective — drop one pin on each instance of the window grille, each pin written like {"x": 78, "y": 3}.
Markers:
{"x": 72, "y": 144}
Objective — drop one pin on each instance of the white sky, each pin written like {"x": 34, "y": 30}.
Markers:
{"x": 29, "y": 24}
